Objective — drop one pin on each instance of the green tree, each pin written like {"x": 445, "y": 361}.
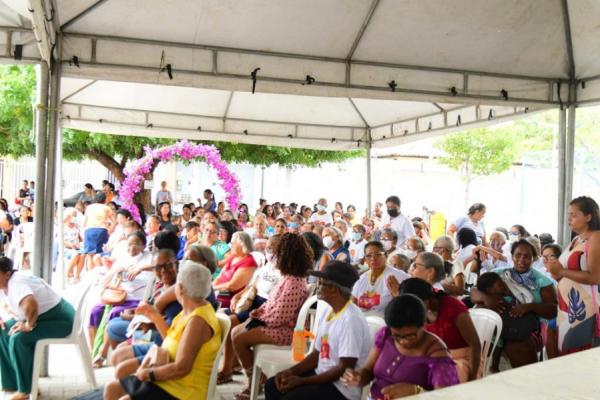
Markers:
{"x": 17, "y": 95}
{"x": 477, "y": 152}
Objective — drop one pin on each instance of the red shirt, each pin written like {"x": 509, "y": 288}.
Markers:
{"x": 445, "y": 325}
{"x": 229, "y": 271}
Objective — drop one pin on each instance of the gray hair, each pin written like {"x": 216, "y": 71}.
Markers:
{"x": 391, "y": 232}
{"x": 398, "y": 253}
{"x": 245, "y": 240}
{"x": 419, "y": 242}
{"x": 195, "y": 280}
{"x": 434, "y": 261}
{"x": 206, "y": 256}
{"x": 446, "y": 242}
{"x": 337, "y": 232}
{"x": 536, "y": 243}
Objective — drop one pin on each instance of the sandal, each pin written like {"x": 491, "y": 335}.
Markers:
{"x": 98, "y": 362}
{"x": 20, "y": 396}
{"x": 223, "y": 378}
{"x": 243, "y": 395}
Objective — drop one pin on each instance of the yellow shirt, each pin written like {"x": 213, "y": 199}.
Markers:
{"x": 195, "y": 384}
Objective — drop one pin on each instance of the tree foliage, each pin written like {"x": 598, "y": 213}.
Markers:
{"x": 17, "y": 94}
{"x": 478, "y": 151}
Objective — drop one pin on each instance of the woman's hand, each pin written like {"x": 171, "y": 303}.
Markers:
{"x": 20, "y": 327}
{"x": 554, "y": 267}
{"x": 128, "y": 314}
{"x": 143, "y": 374}
{"x": 254, "y": 313}
{"x": 398, "y": 390}
{"x": 350, "y": 377}
{"x": 519, "y": 310}
{"x": 393, "y": 286}
{"x": 133, "y": 272}
{"x": 147, "y": 309}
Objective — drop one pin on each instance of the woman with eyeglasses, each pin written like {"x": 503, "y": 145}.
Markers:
{"x": 406, "y": 359}
{"x": 449, "y": 319}
{"x": 210, "y": 238}
{"x": 370, "y": 292}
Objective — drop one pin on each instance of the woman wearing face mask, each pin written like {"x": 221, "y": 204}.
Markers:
{"x": 295, "y": 224}
{"x": 389, "y": 239}
{"x": 256, "y": 293}
{"x": 414, "y": 246}
{"x": 473, "y": 220}
{"x": 517, "y": 232}
{"x": 398, "y": 222}
{"x": 322, "y": 216}
{"x": 357, "y": 245}
{"x": 333, "y": 239}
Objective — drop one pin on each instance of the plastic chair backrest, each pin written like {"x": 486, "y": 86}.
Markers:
{"x": 375, "y": 323}
{"x": 78, "y": 325}
{"x": 259, "y": 258}
{"x": 488, "y": 325}
{"x": 225, "y": 323}
{"x": 301, "y": 320}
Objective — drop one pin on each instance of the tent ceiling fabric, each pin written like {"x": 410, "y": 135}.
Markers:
{"x": 385, "y": 71}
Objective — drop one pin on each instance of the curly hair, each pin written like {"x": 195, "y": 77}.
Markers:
{"x": 294, "y": 255}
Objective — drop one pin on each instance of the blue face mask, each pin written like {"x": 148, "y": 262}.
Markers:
{"x": 293, "y": 225}
{"x": 356, "y": 236}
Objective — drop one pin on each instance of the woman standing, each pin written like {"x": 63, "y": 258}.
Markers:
{"x": 473, "y": 220}
{"x": 41, "y": 314}
{"x": 578, "y": 275}
{"x": 164, "y": 213}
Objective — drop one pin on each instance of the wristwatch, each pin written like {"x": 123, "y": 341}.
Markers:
{"x": 151, "y": 375}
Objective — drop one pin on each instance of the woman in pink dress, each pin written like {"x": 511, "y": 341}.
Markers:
{"x": 274, "y": 321}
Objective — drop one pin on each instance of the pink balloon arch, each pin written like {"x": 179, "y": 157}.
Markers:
{"x": 183, "y": 150}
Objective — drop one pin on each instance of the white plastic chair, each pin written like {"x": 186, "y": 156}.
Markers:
{"x": 77, "y": 338}
{"x": 375, "y": 323}
{"x": 488, "y": 325}
{"x": 270, "y": 359}
{"x": 225, "y": 323}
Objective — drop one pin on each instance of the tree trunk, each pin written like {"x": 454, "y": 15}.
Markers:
{"x": 468, "y": 179}
{"x": 109, "y": 163}
{"x": 145, "y": 196}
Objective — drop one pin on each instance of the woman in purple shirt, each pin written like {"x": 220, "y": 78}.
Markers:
{"x": 405, "y": 359}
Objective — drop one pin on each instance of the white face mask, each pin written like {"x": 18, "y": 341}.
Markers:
{"x": 410, "y": 254}
{"x": 321, "y": 207}
{"x": 328, "y": 242}
{"x": 387, "y": 245}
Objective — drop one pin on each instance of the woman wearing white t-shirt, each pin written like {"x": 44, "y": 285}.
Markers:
{"x": 322, "y": 216}
{"x": 370, "y": 292}
{"x": 40, "y": 314}
{"x": 473, "y": 220}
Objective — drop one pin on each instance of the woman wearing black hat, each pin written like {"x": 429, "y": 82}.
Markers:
{"x": 41, "y": 314}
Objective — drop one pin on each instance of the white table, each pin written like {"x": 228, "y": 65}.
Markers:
{"x": 572, "y": 377}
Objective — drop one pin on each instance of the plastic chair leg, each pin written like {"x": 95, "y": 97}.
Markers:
{"x": 86, "y": 360}
{"x": 255, "y": 387}
{"x": 37, "y": 365}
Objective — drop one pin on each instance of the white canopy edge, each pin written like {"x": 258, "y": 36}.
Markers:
{"x": 138, "y": 60}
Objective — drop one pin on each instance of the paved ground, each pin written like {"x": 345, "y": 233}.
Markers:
{"x": 67, "y": 379}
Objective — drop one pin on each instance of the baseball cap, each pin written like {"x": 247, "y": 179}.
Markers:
{"x": 338, "y": 272}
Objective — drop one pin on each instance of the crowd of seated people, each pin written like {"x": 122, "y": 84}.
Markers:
{"x": 173, "y": 274}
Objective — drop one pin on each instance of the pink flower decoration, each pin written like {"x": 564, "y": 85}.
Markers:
{"x": 134, "y": 172}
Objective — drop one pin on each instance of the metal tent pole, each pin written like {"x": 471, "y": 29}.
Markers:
{"x": 369, "y": 180}
{"x": 562, "y": 133}
{"x": 41, "y": 127}
{"x": 569, "y": 166}
{"x": 53, "y": 127}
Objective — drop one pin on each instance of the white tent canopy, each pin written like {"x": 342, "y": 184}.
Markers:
{"x": 330, "y": 74}
{"x": 454, "y": 64}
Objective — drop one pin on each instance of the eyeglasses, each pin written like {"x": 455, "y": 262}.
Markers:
{"x": 410, "y": 336}
{"x": 415, "y": 264}
{"x": 439, "y": 249}
{"x": 550, "y": 257}
{"x": 373, "y": 255}
{"x": 325, "y": 283}
{"x": 163, "y": 266}
{"x": 211, "y": 232}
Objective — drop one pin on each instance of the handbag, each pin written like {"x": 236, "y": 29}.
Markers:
{"x": 246, "y": 300}
{"x": 113, "y": 295}
{"x": 518, "y": 328}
